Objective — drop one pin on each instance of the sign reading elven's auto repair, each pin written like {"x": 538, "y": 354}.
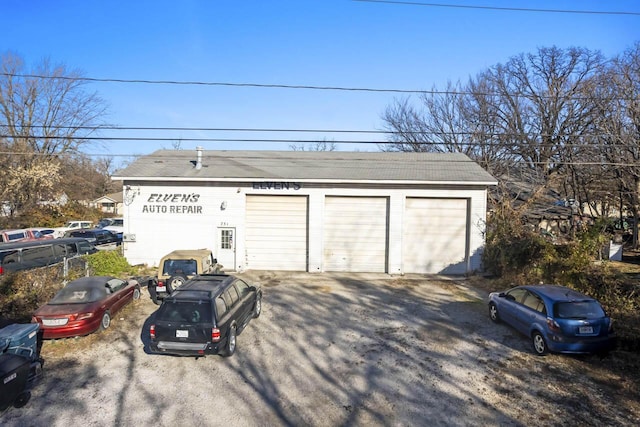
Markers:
{"x": 173, "y": 203}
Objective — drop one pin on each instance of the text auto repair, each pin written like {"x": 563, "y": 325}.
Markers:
{"x": 175, "y": 203}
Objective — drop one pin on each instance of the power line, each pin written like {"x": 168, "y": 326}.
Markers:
{"x": 509, "y": 9}
{"x": 278, "y": 130}
{"x": 322, "y": 141}
{"x": 296, "y": 87}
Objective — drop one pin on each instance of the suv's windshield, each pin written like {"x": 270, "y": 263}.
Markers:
{"x": 578, "y": 310}
{"x": 185, "y": 311}
{"x": 185, "y": 267}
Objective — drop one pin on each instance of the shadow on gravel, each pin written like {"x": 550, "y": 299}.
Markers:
{"x": 343, "y": 350}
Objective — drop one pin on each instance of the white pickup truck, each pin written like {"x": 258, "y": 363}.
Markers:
{"x": 71, "y": 225}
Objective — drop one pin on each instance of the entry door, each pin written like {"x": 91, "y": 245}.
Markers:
{"x": 227, "y": 248}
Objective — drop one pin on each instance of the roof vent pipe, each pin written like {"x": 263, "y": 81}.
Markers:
{"x": 199, "y": 159}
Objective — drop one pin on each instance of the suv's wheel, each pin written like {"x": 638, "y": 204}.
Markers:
{"x": 257, "y": 309}
{"x": 230, "y": 348}
{"x": 175, "y": 282}
{"x": 151, "y": 287}
{"x": 106, "y": 321}
{"x": 539, "y": 344}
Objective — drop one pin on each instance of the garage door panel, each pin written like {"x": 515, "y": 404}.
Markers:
{"x": 277, "y": 232}
{"x": 355, "y": 234}
{"x": 435, "y": 236}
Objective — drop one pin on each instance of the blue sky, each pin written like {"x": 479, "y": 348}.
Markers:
{"x": 338, "y": 43}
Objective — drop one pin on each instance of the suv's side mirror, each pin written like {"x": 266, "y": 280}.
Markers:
{"x": 215, "y": 260}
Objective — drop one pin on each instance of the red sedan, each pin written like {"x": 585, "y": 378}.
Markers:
{"x": 84, "y": 306}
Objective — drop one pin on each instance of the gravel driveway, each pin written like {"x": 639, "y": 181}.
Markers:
{"x": 331, "y": 350}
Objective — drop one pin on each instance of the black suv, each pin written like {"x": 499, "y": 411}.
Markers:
{"x": 204, "y": 316}
{"x": 96, "y": 236}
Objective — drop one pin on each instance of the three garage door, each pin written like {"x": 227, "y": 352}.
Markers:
{"x": 355, "y": 234}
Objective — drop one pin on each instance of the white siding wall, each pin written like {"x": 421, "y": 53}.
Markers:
{"x": 158, "y": 233}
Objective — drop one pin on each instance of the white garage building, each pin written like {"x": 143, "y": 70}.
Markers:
{"x": 310, "y": 211}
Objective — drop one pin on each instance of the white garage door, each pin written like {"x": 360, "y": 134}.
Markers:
{"x": 355, "y": 234}
{"x": 435, "y": 236}
{"x": 276, "y": 236}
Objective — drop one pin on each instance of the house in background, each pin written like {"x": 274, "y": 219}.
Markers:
{"x": 109, "y": 203}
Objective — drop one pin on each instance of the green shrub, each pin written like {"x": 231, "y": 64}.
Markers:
{"x": 109, "y": 263}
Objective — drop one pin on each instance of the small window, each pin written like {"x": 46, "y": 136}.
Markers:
{"x": 116, "y": 284}
{"x": 17, "y": 236}
{"x": 230, "y": 296}
{"x": 221, "y": 306}
{"x": 10, "y": 256}
{"x": 226, "y": 239}
{"x": 516, "y": 294}
{"x": 243, "y": 288}
{"x": 534, "y": 302}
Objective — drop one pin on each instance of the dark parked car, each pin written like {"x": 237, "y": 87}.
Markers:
{"x": 41, "y": 253}
{"x": 97, "y": 236}
{"x": 204, "y": 316}
{"x": 84, "y": 306}
{"x": 556, "y": 318}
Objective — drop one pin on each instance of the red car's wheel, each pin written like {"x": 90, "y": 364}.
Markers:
{"x": 106, "y": 321}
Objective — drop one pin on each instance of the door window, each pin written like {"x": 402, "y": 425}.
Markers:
{"x": 226, "y": 239}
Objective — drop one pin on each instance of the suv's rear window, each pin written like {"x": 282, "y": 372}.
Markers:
{"x": 185, "y": 267}
{"x": 578, "y": 310}
{"x": 185, "y": 311}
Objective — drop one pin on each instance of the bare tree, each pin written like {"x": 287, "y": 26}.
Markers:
{"x": 619, "y": 127}
{"x": 315, "y": 146}
{"x": 44, "y": 113}
{"x": 534, "y": 111}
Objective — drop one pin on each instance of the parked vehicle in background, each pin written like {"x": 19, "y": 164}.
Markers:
{"x": 177, "y": 266}
{"x": 42, "y": 233}
{"x": 115, "y": 225}
{"x": 41, "y": 253}
{"x": 555, "y": 318}
{"x": 99, "y": 237}
{"x": 18, "y": 235}
{"x": 205, "y": 316}
{"x": 84, "y": 306}
{"x": 72, "y": 225}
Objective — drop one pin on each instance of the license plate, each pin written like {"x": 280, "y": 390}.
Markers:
{"x": 160, "y": 289}
{"x": 54, "y": 322}
{"x": 182, "y": 334}
{"x": 585, "y": 329}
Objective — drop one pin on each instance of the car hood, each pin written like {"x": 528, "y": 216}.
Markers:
{"x": 60, "y": 309}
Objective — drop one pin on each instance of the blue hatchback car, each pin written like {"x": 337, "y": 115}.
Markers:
{"x": 556, "y": 318}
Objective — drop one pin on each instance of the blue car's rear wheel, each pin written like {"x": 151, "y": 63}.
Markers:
{"x": 539, "y": 344}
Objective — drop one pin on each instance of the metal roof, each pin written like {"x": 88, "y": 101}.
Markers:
{"x": 322, "y": 166}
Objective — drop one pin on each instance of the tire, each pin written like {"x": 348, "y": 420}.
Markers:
{"x": 22, "y": 399}
{"x": 230, "y": 348}
{"x": 257, "y": 309}
{"x": 539, "y": 344}
{"x": 151, "y": 287}
{"x": 493, "y": 313}
{"x": 106, "y": 321}
{"x": 175, "y": 282}
{"x": 136, "y": 293}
